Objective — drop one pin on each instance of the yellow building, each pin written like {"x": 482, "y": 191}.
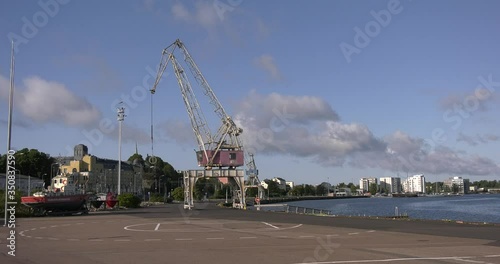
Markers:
{"x": 101, "y": 175}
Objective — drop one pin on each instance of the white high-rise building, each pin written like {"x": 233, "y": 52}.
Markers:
{"x": 364, "y": 183}
{"x": 414, "y": 184}
{"x": 390, "y": 184}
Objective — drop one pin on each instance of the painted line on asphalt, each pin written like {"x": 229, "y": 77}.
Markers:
{"x": 215, "y": 238}
{"x": 183, "y": 239}
{"x": 248, "y": 237}
{"x": 152, "y": 239}
{"x": 157, "y": 226}
{"x": 273, "y": 226}
{"x": 390, "y": 260}
{"x": 306, "y": 236}
{"x": 370, "y": 231}
{"x": 471, "y": 261}
{"x": 355, "y": 233}
{"x": 121, "y": 240}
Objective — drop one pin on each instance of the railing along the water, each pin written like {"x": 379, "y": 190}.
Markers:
{"x": 305, "y": 210}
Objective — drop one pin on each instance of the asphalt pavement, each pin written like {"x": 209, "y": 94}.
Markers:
{"x": 210, "y": 234}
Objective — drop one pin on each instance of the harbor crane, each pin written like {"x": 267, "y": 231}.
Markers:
{"x": 221, "y": 153}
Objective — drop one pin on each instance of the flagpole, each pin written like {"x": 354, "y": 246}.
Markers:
{"x": 9, "y": 125}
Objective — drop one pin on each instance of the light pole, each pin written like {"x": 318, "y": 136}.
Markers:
{"x": 121, "y": 117}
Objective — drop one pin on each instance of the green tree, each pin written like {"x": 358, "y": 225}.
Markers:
{"x": 297, "y": 190}
{"x": 321, "y": 190}
{"x": 373, "y": 188}
{"x": 178, "y": 194}
{"x": 31, "y": 162}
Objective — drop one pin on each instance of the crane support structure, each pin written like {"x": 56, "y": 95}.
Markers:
{"x": 221, "y": 153}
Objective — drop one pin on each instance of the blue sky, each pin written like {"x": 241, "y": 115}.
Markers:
{"x": 324, "y": 90}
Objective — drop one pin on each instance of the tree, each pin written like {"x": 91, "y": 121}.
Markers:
{"x": 321, "y": 190}
{"x": 373, "y": 188}
{"x": 31, "y": 162}
{"x": 297, "y": 190}
{"x": 178, "y": 194}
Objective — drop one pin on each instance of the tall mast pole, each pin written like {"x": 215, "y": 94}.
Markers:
{"x": 9, "y": 125}
{"x": 121, "y": 117}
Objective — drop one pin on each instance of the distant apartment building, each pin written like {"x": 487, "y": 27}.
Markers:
{"x": 290, "y": 184}
{"x": 456, "y": 185}
{"x": 364, "y": 183}
{"x": 414, "y": 184}
{"x": 281, "y": 182}
{"x": 390, "y": 184}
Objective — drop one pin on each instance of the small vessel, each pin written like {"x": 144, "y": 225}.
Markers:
{"x": 62, "y": 197}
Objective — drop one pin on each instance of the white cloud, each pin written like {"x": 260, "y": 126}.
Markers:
{"x": 477, "y": 139}
{"x": 307, "y": 127}
{"x": 44, "y": 101}
{"x": 268, "y": 64}
{"x": 202, "y": 14}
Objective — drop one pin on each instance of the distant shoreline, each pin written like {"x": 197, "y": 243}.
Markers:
{"x": 306, "y": 198}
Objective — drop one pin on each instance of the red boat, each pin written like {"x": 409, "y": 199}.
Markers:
{"x": 62, "y": 197}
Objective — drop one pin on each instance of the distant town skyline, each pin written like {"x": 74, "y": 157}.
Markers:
{"x": 325, "y": 91}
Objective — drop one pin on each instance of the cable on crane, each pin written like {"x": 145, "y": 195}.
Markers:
{"x": 152, "y": 159}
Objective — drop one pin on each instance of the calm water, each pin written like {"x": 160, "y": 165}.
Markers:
{"x": 472, "y": 208}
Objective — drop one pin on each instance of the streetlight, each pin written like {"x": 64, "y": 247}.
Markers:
{"x": 121, "y": 117}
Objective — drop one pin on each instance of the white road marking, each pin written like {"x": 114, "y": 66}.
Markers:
{"x": 152, "y": 239}
{"x": 492, "y": 256}
{"x": 334, "y": 235}
{"x": 370, "y": 231}
{"x": 33, "y": 229}
{"x": 215, "y": 238}
{"x": 306, "y": 236}
{"x": 157, "y": 226}
{"x": 53, "y": 226}
{"x": 273, "y": 226}
{"x": 292, "y": 227}
{"x": 52, "y": 238}
{"x": 388, "y": 260}
{"x": 247, "y": 237}
{"x": 95, "y": 240}
{"x": 471, "y": 261}
{"x": 183, "y": 239}
{"x": 121, "y": 240}
{"x": 355, "y": 233}
{"x": 39, "y": 237}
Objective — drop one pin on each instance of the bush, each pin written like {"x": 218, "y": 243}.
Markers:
{"x": 156, "y": 198}
{"x": 21, "y": 209}
{"x": 178, "y": 194}
{"x": 129, "y": 200}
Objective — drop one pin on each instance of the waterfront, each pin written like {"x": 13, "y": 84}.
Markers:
{"x": 470, "y": 208}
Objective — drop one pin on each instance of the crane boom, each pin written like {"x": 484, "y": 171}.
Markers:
{"x": 223, "y": 149}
